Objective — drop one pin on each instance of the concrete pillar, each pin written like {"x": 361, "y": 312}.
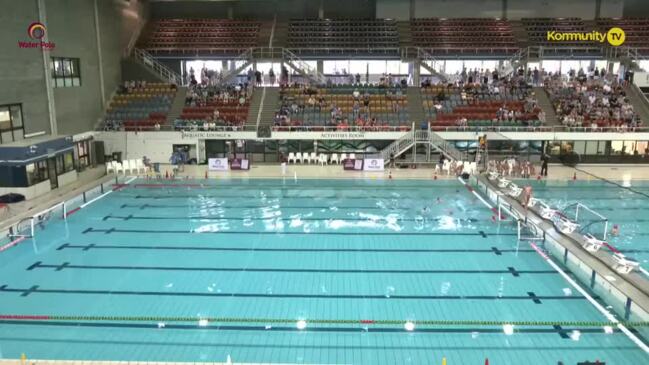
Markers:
{"x": 42, "y": 17}
{"x": 412, "y": 11}
{"x": 230, "y": 12}
{"x": 321, "y": 10}
{"x": 99, "y": 56}
{"x": 598, "y": 8}
{"x": 504, "y": 10}
{"x": 320, "y": 66}
{"x": 414, "y": 69}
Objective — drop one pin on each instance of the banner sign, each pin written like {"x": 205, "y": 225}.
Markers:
{"x": 217, "y": 164}
{"x": 240, "y": 164}
{"x": 374, "y": 164}
{"x": 349, "y": 164}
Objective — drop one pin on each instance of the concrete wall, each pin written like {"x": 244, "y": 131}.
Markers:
{"x": 21, "y": 70}
{"x": 71, "y": 25}
{"x": 458, "y": 8}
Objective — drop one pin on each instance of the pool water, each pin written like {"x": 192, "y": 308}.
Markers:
{"x": 349, "y": 253}
{"x": 626, "y": 205}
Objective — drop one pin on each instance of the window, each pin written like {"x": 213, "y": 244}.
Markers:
{"x": 11, "y": 123}
{"x": 65, "y": 72}
{"x": 37, "y": 172}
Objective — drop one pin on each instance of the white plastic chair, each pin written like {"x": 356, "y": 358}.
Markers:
{"x": 313, "y": 158}
{"x": 473, "y": 167}
{"x": 291, "y": 157}
{"x": 323, "y": 159}
{"x": 334, "y": 158}
{"x": 119, "y": 168}
{"x": 298, "y": 157}
{"x": 343, "y": 157}
{"x": 352, "y": 156}
{"x": 126, "y": 167}
{"x": 134, "y": 166}
{"x": 110, "y": 167}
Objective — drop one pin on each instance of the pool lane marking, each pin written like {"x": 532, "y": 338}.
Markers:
{"x": 287, "y": 187}
{"x": 67, "y": 266}
{"x": 216, "y": 218}
{"x": 309, "y": 197}
{"x": 144, "y": 206}
{"x": 592, "y": 301}
{"x": 35, "y": 289}
{"x": 495, "y": 250}
{"x": 116, "y": 230}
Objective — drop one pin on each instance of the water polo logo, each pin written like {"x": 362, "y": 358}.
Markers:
{"x": 36, "y": 30}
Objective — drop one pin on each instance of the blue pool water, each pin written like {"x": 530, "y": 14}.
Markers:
{"x": 626, "y": 205}
{"x": 258, "y": 250}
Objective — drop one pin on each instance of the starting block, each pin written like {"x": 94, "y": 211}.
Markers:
{"x": 592, "y": 244}
{"x": 624, "y": 265}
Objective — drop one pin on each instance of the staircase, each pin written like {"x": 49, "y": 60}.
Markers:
{"x": 246, "y": 59}
{"x": 165, "y": 73}
{"x": 639, "y": 101}
{"x": 405, "y": 35}
{"x": 415, "y": 106}
{"x": 517, "y": 60}
{"x": 177, "y": 106}
{"x": 545, "y": 104}
{"x": 265, "y": 32}
{"x": 263, "y": 106}
{"x": 280, "y": 36}
{"x": 433, "y": 65}
{"x": 303, "y": 68}
{"x": 413, "y": 137}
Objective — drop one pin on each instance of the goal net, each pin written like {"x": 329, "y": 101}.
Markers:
{"x": 589, "y": 220}
{"x": 28, "y": 227}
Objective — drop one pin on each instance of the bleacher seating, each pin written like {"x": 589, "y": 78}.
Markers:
{"x": 593, "y": 103}
{"x": 478, "y": 106}
{"x": 140, "y": 108}
{"x": 208, "y": 104}
{"x": 464, "y": 35}
{"x": 200, "y": 36}
{"x": 636, "y": 31}
{"x": 352, "y": 34}
{"x": 537, "y": 31}
{"x": 387, "y": 106}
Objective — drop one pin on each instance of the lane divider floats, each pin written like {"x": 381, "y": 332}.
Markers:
{"x": 398, "y": 322}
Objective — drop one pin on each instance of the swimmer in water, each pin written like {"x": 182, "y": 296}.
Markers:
{"x": 615, "y": 231}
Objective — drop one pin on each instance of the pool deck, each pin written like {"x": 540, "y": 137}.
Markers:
{"x": 633, "y": 285}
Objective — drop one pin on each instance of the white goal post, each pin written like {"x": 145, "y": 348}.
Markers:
{"x": 26, "y": 227}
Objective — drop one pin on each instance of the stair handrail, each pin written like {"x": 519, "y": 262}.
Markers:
{"x": 245, "y": 57}
{"x": 445, "y": 147}
{"x": 309, "y": 71}
{"x": 146, "y": 59}
{"x": 398, "y": 145}
{"x": 424, "y": 56}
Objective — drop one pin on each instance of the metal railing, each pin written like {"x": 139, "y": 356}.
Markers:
{"x": 147, "y": 60}
{"x": 245, "y": 58}
{"x": 303, "y": 67}
{"x": 398, "y": 146}
{"x": 314, "y": 128}
{"x": 446, "y": 147}
{"x": 436, "y": 67}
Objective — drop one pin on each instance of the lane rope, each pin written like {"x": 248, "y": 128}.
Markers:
{"x": 431, "y": 322}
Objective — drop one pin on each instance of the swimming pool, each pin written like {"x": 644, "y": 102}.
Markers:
{"x": 625, "y": 206}
{"x": 297, "y": 272}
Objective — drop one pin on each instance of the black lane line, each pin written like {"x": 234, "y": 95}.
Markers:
{"x": 359, "y": 328}
{"x": 314, "y": 219}
{"x": 37, "y": 290}
{"x": 68, "y": 266}
{"x": 171, "y": 206}
{"x": 425, "y": 195}
{"x": 92, "y": 246}
{"x": 115, "y": 230}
